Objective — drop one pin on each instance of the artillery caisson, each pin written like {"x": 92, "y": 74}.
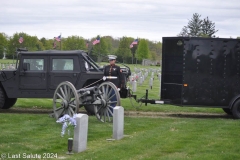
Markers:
{"x": 104, "y": 98}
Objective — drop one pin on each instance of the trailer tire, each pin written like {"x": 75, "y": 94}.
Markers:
{"x": 9, "y": 102}
{"x": 2, "y": 98}
{"x": 227, "y": 110}
{"x": 236, "y": 109}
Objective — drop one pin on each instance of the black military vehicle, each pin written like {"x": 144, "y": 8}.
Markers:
{"x": 38, "y": 74}
{"x": 202, "y": 72}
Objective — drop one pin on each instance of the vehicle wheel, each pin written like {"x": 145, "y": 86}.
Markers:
{"x": 236, "y": 109}
{"x": 90, "y": 109}
{"x": 227, "y": 110}
{"x": 9, "y": 102}
{"x": 2, "y": 98}
{"x": 110, "y": 97}
{"x": 65, "y": 100}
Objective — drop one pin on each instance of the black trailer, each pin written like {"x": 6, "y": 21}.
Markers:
{"x": 201, "y": 72}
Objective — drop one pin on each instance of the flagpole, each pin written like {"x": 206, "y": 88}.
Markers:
{"x": 61, "y": 41}
{"x": 99, "y": 54}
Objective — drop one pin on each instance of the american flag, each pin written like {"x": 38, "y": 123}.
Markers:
{"x": 20, "y": 39}
{"x": 134, "y": 42}
{"x": 58, "y": 38}
{"x": 96, "y": 41}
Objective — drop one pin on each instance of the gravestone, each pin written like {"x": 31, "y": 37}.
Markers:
{"x": 141, "y": 80}
{"x": 151, "y": 82}
{"x": 80, "y": 133}
{"x": 118, "y": 122}
{"x": 134, "y": 86}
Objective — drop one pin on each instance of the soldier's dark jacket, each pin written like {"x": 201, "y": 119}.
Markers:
{"x": 114, "y": 70}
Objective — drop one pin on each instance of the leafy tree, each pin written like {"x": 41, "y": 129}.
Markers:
{"x": 153, "y": 55}
{"x": 3, "y": 44}
{"x": 133, "y": 49}
{"x": 98, "y": 51}
{"x": 143, "y": 50}
{"x": 73, "y": 43}
{"x": 108, "y": 40}
{"x": 29, "y": 42}
{"x": 123, "y": 52}
{"x": 47, "y": 44}
{"x": 155, "y": 49}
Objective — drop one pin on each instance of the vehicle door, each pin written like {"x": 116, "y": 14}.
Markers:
{"x": 63, "y": 68}
{"x": 33, "y": 73}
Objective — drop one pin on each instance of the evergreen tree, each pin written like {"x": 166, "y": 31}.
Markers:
{"x": 208, "y": 28}
{"x": 184, "y": 32}
{"x": 198, "y": 28}
{"x": 195, "y": 25}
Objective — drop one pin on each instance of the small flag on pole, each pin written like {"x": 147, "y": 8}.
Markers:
{"x": 96, "y": 41}
{"x": 134, "y": 42}
{"x": 87, "y": 44}
{"x": 20, "y": 39}
{"x": 54, "y": 44}
{"x": 58, "y": 38}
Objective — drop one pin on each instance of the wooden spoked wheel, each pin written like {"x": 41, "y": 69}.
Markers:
{"x": 110, "y": 97}
{"x": 65, "y": 100}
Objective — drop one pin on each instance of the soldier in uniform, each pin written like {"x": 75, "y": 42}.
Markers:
{"x": 113, "y": 70}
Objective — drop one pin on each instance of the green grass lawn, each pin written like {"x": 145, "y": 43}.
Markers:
{"x": 147, "y": 138}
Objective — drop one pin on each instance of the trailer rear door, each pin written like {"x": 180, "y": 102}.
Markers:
{"x": 172, "y": 69}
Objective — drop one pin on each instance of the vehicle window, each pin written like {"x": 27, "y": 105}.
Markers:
{"x": 34, "y": 64}
{"x": 89, "y": 64}
{"x": 62, "y": 65}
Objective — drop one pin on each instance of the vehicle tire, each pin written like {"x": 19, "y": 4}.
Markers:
{"x": 2, "y": 98}
{"x": 90, "y": 109}
{"x": 9, "y": 102}
{"x": 227, "y": 110}
{"x": 236, "y": 109}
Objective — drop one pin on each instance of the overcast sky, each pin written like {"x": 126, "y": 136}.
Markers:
{"x": 150, "y": 19}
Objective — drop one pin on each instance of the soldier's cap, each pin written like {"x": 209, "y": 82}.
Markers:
{"x": 112, "y": 57}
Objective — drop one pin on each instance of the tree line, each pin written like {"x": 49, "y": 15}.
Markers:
{"x": 144, "y": 49}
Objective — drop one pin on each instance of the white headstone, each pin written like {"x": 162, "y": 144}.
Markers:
{"x": 80, "y": 133}
{"x": 134, "y": 86}
{"x": 118, "y": 122}
{"x": 151, "y": 82}
{"x": 141, "y": 80}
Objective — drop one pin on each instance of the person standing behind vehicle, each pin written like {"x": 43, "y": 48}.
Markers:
{"x": 113, "y": 70}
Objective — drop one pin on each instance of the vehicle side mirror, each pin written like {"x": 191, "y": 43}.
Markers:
{"x": 26, "y": 66}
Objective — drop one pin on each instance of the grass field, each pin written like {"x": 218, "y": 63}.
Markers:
{"x": 162, "y": 137}
{"x": 147, "y": 138}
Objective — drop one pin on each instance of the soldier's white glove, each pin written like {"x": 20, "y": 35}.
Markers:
{"x": 104, "y": 78}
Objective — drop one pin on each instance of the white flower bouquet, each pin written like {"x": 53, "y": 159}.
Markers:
{"x": 67, "y": 122}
